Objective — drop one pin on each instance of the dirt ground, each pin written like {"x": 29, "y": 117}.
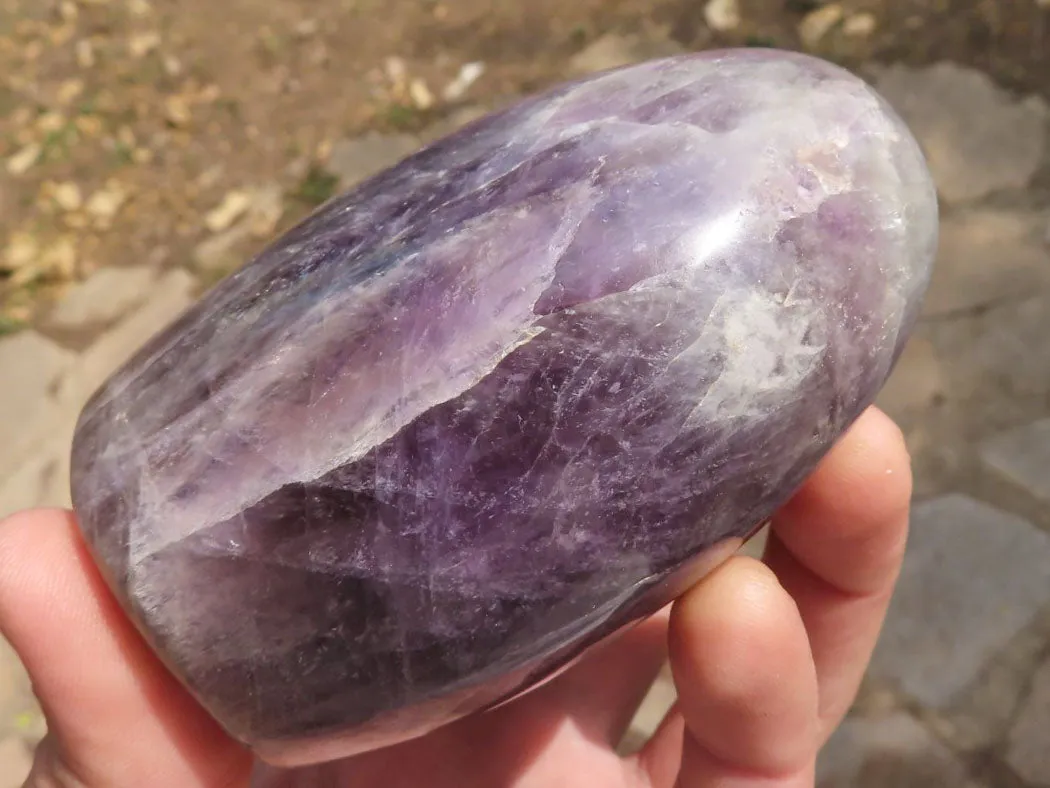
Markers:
{"x": 125, "y": 123}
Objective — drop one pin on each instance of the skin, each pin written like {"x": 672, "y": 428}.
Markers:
{"x": 767, "y": 657}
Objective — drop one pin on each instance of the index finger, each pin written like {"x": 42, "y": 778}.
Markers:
{"x": 837, "y": 548}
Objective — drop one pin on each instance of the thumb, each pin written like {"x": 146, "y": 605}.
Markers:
{"x": 116, "y": 717}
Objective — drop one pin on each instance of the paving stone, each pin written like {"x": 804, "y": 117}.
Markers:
{"x": 973, "y": 578}
{"x": 994, "y": 368}
{"x": 1022, "y": 457}
{"x": 987, "y": 256}
{"x": 978, "y": 138}
{"x": 354, "y": 160}
{"x": 28, "y": 409}
{"x": 42, "y": 479}
{"x": 1028, "y": 751}
{"x": 984, "y": 716}
{"x": 172, "y": 295}
{"x": 457, "y": 89}
{"x": 15, "y": 762}
{"x": 104, "y": 297}
{"x": 916, "y": 382}
{"x": 35, "y": 363}
{"x": 998, "y": 360}
{"x": 891, "y": 751}
{"x": 54, "y": 387}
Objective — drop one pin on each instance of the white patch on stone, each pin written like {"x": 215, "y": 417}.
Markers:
{"x": 767, "y": 351}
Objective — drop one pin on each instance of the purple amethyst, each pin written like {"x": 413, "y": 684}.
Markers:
{"x": 506, "y": 397}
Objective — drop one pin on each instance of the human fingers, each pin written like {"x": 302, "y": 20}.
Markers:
{"x": 837, "y": 549}
{"x": 747, "y": 688}
{"x": 116, "y": 717}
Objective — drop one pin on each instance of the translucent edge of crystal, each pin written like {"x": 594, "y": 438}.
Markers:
{"x": 671, "y": 589}
{"x": 305, "y": 752}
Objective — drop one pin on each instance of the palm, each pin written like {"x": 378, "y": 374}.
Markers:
{"x": 511, "y": 751}
{"x": 116, "y": 718}
{"x": 563, "y": 734}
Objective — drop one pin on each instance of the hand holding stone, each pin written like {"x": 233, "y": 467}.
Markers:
{"x": 766, "y": 661}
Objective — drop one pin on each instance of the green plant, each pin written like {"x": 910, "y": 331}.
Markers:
{"x": 317, "y": 186}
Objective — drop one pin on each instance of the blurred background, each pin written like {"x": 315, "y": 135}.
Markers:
{"x": 148, "y": 147}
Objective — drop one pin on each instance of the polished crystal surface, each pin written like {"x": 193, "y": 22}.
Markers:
{"x": 506, "y": 397}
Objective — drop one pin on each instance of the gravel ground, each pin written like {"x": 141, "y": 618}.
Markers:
{"x": 134, "y": 130}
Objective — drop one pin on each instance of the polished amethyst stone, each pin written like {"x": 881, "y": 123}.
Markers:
{"x": 506, "y": 397}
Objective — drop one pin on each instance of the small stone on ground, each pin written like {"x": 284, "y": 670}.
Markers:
{"x": 818, "y": 23}
{"x": 722, "y": 15}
